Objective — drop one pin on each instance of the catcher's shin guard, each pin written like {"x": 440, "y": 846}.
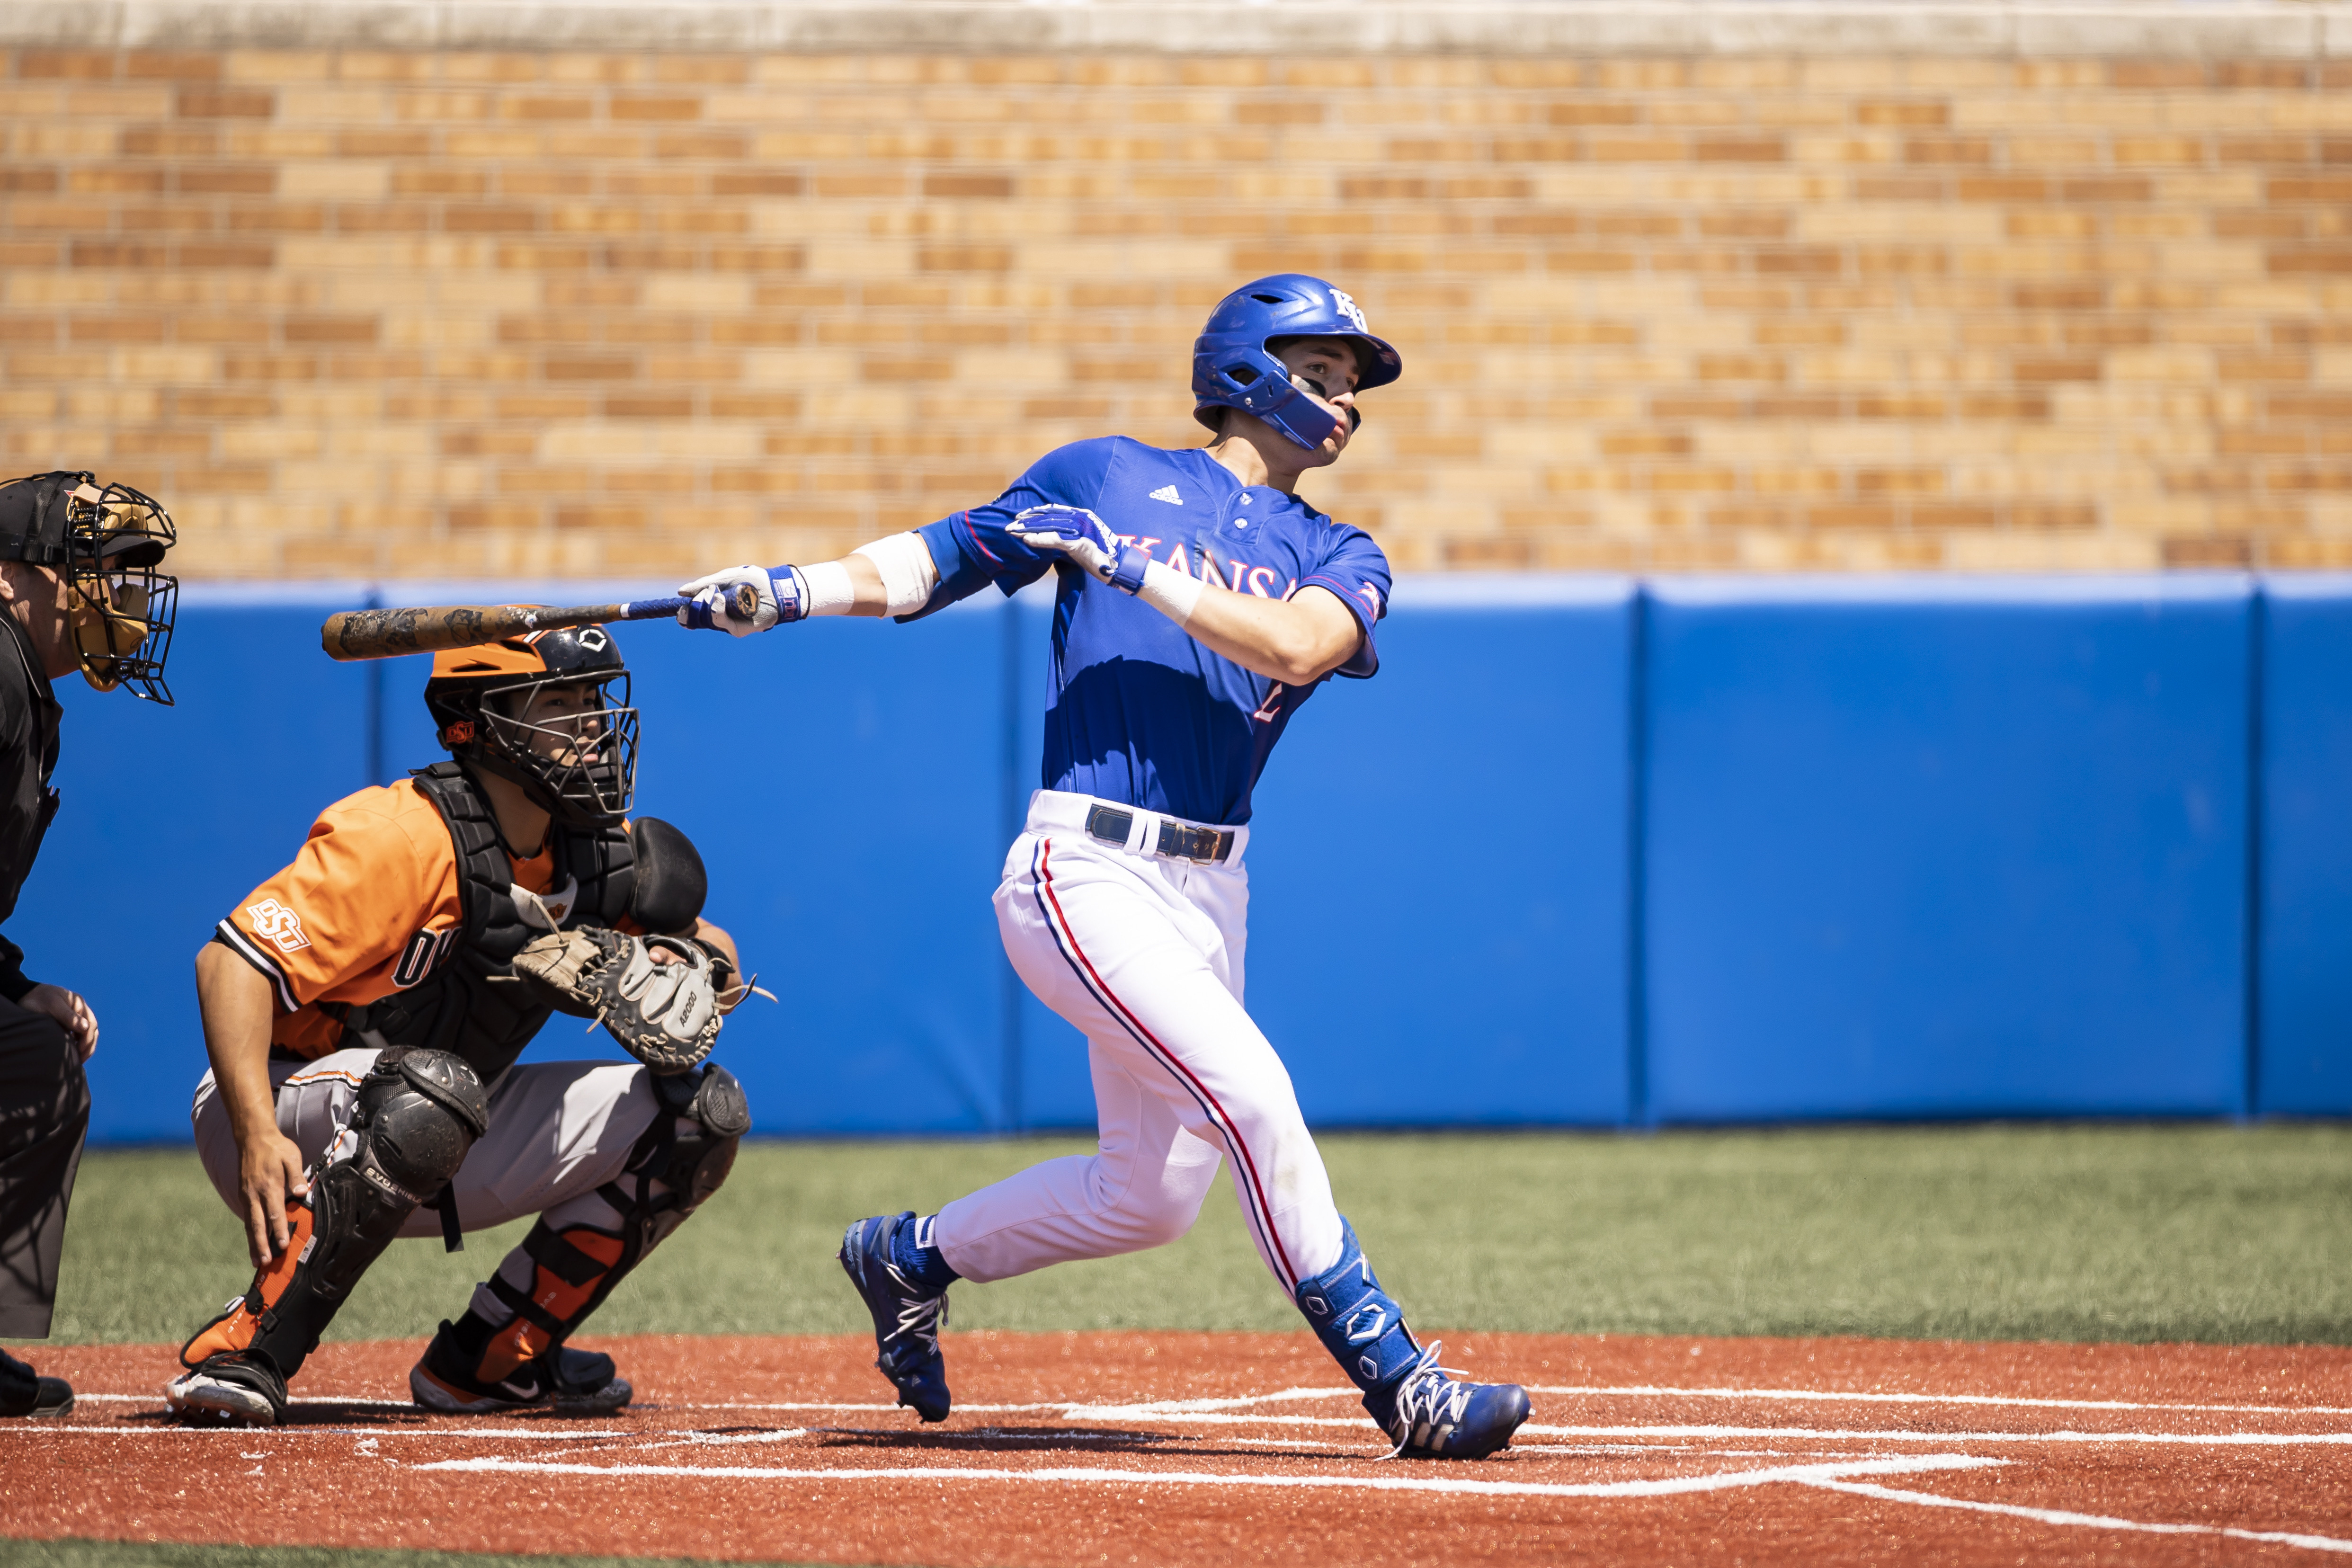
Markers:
{"x": 417, "y": 1113}
{"x": 1427, "y": 1413}
{"x": 473, "y": 1369}
{"x": 474, "y": 1365}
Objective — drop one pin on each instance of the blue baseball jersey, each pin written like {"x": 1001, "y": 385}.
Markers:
{"x": 1137, "y": 710}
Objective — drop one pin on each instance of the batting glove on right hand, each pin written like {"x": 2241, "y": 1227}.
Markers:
{"x": 783, "y": 592}
{"x": 1084, "y": 539}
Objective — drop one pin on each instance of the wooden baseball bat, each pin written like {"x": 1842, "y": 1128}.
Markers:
{"x": 387, "y": 634}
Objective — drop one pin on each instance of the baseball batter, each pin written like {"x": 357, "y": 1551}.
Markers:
{"x": 364, "y": 1009}
{"x": 1200, "y": 603}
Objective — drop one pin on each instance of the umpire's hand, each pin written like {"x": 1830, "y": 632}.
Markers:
{"x": 69, "y": 1010}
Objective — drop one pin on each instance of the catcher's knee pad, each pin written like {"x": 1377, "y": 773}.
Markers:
{"x": 417, "y": 1114}
{"x": 704, "y": 1151}
{"x": 700, "y": 1118}
{"x": 1359, "y": 1323}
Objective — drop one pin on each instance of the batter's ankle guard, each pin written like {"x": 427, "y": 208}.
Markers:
{"x": 417, "y": 1114}
{"x": 1359, "y": 1323}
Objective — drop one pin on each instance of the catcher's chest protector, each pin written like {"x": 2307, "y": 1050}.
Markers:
{"x": 460, "y": 1007}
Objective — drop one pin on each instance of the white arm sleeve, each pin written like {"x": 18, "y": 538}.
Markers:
{"x": 908, "y": 576}
{"x": 1172, "y": 593}
{"x": 829, "y": 592}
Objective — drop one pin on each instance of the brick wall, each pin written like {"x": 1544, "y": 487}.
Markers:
{"x": 456, "y": 313}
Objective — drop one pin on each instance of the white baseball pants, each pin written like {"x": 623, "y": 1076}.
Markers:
{"x": 558, "y": 1131}
{"x": 1143, "y": 954}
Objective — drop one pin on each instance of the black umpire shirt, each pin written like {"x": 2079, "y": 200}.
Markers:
{"x": 29, "y": 715}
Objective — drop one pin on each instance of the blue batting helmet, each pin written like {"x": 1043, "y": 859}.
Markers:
{"x": 1232, "y": 367}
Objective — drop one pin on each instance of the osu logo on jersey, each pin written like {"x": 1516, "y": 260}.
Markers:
{"x": 274, "y": 922}
{"x": 422, "y": 955}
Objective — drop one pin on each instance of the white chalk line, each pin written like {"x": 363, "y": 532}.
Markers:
{"x": 1898, "y": 1435}
{"x": 2092, "y": 1521}
{"x": 1535, "y": 1429}
{"x": 1145, "y": 1408}
{"x": 1221, "y": 1413}
{"x": 305, "y": 1398}
{"x": 1827, "y": 1476}
{"x": 272, "y": 1434}
{"x": 1722, "y": 1480}
{"x": 1815, "y": 1395}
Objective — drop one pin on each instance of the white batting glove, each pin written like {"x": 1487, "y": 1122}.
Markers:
{"x": 1085, "y": 540}
{"x": 784, "y": 597}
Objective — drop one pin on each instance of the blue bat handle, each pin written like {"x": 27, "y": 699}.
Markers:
{"x": 745, "y": 606}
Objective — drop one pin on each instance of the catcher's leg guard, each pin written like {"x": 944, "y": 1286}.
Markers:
{"x": 1427, "y": 1413}
{"x": 417, "y": 1114}
{"x": 476, "y": 1364}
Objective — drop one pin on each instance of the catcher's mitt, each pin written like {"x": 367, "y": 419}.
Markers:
{"x": 664, "y": 1015}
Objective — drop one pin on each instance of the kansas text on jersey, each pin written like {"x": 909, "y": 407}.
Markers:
{"x": 1135, "y": 711}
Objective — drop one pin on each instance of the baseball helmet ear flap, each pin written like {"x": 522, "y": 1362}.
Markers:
{"x": 1234, "y": 367}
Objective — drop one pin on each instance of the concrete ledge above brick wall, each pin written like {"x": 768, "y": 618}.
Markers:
{"x": 2151, "y": 28}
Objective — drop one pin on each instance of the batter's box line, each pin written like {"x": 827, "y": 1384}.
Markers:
{"x": 2087, "y": 1520}
{"x": 1722, "y": 1480}
{"x": 218, "y": 1431}
{"x": 1824, "y": 1396}
{"x": 1896, "y": 1435}
{"x": 1149, "y": 1408}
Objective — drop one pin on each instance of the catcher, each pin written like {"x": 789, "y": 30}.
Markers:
{"x": 364, "y": 1007}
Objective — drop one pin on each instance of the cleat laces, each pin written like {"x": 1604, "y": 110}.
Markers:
{"x": 921, "y": 1317}
{"x": 1429, "y": 1402}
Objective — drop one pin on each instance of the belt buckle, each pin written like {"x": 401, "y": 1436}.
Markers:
{"x": 1198, "y": 845}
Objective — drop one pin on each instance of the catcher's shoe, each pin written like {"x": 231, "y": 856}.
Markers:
{"x": 231, "y": 1387}
{"x": 566, "y": 1381}
{"x": 907, "y": 1316}
{"x": 1429, "y": 1416}
{"x": 26, "y": 1394}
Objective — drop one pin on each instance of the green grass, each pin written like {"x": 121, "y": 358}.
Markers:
{"x": 1996, "y": 1232}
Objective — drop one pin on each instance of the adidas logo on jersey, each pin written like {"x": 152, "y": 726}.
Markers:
{"x": 1167, "y": 493}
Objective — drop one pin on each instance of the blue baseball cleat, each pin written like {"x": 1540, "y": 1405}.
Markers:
{"x": 1427, "y": 1413}
{"x": 907, "y": 1316}
{"x": 1429, "y": 1416}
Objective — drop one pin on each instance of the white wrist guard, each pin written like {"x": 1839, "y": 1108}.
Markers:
{"x": 1172, "y": 593}
{"x": 828, "y": 589}
{"x": 908, "y": 576}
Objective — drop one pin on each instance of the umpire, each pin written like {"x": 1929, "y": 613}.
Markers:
{"x": 80, "y": 590}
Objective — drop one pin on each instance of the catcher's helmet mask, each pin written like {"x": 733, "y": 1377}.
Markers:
{"x": 1235, "y": 363}
{"x": 106, "y": 545}
{"x": 580, "y": 767}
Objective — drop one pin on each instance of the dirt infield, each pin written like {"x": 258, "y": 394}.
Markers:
{"x": 1214, "y": 1449}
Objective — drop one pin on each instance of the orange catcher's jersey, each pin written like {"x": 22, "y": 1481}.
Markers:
{"x": 369, "y": 906}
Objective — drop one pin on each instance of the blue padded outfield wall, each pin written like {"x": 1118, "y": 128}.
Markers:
{"x": 1586, "y": 853}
